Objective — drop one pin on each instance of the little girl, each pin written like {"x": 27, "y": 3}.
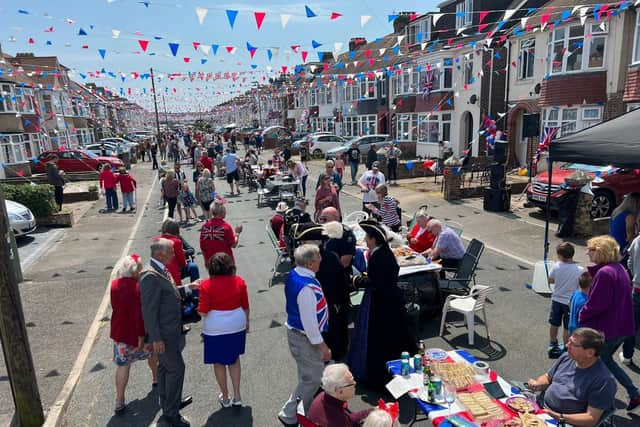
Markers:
{"x": 127, "y": 186}
{"x": 188, "y": 202}
{"x": 340, "y": 164}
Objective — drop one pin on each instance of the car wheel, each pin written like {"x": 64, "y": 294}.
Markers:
{"x": 603, "y": 204}
{"x": 317, "y": 153}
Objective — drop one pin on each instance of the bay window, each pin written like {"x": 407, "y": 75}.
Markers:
{"x": 360, "y": 125}
{"x": 6, "y": 99}
{"x": 571, "y": 119}
{"x": 352, "y": 91}
{"x": 407, "y": 127}
{"x": 433, "y": 128}
{"x": 313, "y": 97}
{"x": 576, "y": 48}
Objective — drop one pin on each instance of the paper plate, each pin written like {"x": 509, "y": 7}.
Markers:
{"x": 436, "y": 354}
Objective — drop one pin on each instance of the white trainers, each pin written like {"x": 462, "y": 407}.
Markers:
{"x": 226, "y": 403}
{"x": 236, "y": 401}
{"x": 624, "y": 359}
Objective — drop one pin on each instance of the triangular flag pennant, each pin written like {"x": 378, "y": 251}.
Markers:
{"x": 284, "y": 69}
{"x": 259, "y": 18}
{"x": 186, "y": 59}
{"x": 82, "y": 32}
{"x": 315, "y": 44}
{"x": 523, "y": 22}
{"x": 436, "y": 17}
{"x": 310, "y": 13}
{"x": 254, "y": 66}
{"x": 203, "y": 61}
{"x": 231, "y": 16}
{"x": 215, "y": 47}
{"x": 143, "y": 44}
{"x": 115, "y": 33}
{"x": 483, "y": 14}
{"x": 304, "y": 54}
{"x": 196, "y": 45}
{"x": 508, "y": 14}
{"x": 174, "y": 48}
{"x": 544, "y": 19}
{"x": 337, "y": 46}
{"x": 31, "y": 41}
{"x": 583, "y": 19}
{"x": 382, "y": 51}
{"x": 102, "y": 52}
{"x": 320, "y": 56}
{"x": 295, "y": 48}
{"x": 202, "y": 13}
{"x": 335, "y": 15}
{"x": 276, "y": 51}
{"x": 205, "y": 48}
{"x": 230, "y": 49}
{"x": 269, "y": 54}
{"x": 252, "y": 49}
{"x": 284, "y": 19}
{"x": 482, "y": 27}
{"x": 391, "y": 18}
{"x": 364, "y": 19}
{"x": 400, "y": 38}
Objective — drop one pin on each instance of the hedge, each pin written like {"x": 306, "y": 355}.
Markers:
{"x": 38, "y": 198}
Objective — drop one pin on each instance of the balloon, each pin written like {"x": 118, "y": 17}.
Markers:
{"x": 409, "y": 165}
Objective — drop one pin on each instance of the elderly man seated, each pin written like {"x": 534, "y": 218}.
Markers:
{"x": 579, "y": 388}
{"x": 448, "y": 246}
{"x": 329, "y": 408}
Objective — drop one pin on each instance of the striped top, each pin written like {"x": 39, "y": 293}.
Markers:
{"x": 389, "y": 212}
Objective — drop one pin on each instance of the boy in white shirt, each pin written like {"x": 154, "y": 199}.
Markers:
{"x": 565, "y": 275}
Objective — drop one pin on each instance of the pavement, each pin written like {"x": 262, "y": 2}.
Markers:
{"x": 64, "y": 288}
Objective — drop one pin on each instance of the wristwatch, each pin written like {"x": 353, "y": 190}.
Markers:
{"x": 561, "y": 420}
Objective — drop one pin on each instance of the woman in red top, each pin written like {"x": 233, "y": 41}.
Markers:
{"x": 217, "y": 235}
{"x": 127, "y": 327}
{"x": 419, "y": 238}
{"x": 224, "y": 306}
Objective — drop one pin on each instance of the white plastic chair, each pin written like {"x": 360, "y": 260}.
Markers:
{"x": 355, "y": 217}
{"x": 468, "y": 305}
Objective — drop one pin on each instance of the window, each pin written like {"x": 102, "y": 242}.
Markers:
{"x": 360, "y": 125}
{"x": 468, "y": 69}
{"x": 17, "y": 148}
{"x": 443, "y": 75}
{"x": 313, "y": 97}
{"x": 368, "y": 88}
{"x": 418, "y": 32}
{"x": 573, "y": 119}
{"x": 7, "y": 103}
{"x": 433, "y": 128}
{"x": 636, "y": 41}
{"x": 526, "y": 58}
{"x": 383, "y": 88}
{"x": 464, "y": 13}
{"x": 577, "y": 48}
{"x": 407, "y": 127}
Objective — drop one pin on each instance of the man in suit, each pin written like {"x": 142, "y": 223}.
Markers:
{"x": 162, "y": 313}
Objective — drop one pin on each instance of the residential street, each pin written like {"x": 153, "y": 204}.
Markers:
{"x": 63, "y": 290}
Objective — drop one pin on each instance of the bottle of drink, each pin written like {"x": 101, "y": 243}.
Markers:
{"x": 432, "y": 392}
{"x": 421, "y": 348}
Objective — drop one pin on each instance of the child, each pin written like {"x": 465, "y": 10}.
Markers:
{"x": 127, "y": 186}
{"x": 578, "y": 299}
{"x": 565, "y": 275}
{"x": 188, "y": 202}
{"x": 340, "y": 164}
{"x": 109, "y": 182}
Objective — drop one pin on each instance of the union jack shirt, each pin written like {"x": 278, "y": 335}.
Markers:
{"x": 216, "y": 236}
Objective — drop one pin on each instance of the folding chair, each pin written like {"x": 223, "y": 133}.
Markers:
{"x": 468, "y": 306}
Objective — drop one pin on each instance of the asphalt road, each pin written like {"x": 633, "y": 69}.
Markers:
{"x": 517, "y": 323}
{"x": 63, "y": 289}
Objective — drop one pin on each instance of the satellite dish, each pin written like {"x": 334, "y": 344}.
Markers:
{"x": 537, "y": 88}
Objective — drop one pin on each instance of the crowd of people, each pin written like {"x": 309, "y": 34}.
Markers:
{"x": 597, "y": 306}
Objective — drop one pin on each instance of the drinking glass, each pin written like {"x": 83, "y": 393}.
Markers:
{"x": 449, "y": 395}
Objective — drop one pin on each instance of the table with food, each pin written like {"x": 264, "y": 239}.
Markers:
{"x": 459, "y": 390}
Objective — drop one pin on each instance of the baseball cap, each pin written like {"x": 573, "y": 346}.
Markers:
{"x": 375, "y": 165}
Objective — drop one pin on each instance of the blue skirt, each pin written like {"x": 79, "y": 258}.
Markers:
{"x": 223, "y": 349}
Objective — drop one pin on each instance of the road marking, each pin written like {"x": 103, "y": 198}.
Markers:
{"x": 54, "y": 416}
{"x": 40, "y": 250}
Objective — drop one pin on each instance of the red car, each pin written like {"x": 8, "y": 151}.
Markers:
{"x": 75, "y": 161}
{"x": 608, "y": 189}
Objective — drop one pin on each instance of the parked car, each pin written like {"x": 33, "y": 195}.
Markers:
{"x": 21, "y": 220}
{"x": 608, "y": 190}
{"x": 130, "y": 144}
{"x": 75, "y": 161}
{"x": 319, "y": 144}
{"x": 362, "y": 142}
{"x": 110, "y": 149}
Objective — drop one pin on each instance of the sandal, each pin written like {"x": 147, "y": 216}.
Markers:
{"x": 120, "y": 407}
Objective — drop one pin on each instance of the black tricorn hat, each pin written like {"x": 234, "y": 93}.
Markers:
{"x": 313, "y": 231}
{"x": 374, "y": 228}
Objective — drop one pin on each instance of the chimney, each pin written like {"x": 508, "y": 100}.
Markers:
{"x": 356, "y": 42}
{"x": 24, "y": 55}
{"x": 401, "y": 21}
{"x": 327, "y": 56}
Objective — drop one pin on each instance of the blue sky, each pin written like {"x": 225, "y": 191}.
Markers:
{"x": 177, "y": 22}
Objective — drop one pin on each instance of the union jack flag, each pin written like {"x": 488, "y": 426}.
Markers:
{"x": 548, "y": 134}
{"x": 427, "y": 85}
{"x": 322, "y": 308}
{"x": 213, "y": 232}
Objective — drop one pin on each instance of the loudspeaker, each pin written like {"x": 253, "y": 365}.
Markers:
{"x": 497, "y": 179}
{"x": 500, "y": 152}
{"x": 530, "y": 125}
{"x": 497, "y": 200}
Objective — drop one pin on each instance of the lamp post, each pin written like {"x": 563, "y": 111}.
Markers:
{"x": 155, "y": 104}
{"x": 258, "y": 101}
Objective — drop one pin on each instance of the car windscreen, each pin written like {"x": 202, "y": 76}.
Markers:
{"x": 90, "y": 154}
{"x": 586, "y": 168}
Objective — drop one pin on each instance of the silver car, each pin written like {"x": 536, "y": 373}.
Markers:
{"x": 362, "y": 142}
{"x": 21, "y": 219}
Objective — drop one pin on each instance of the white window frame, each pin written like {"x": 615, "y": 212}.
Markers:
{"x": 442, "y": 121}
{"x": 565, "y": 43}
{"x": 407, "y": 127}
{"x": 18, "y": 147}
{"x": 526, "y": 58}
{"x": 7, "y": 105}
{"x": 313, "y": 97}
{"x": 365, "y": 87}
{"x": 636, "y": 41}
{"x": 413, "y": 29}
{"x": 466, "y": 7}
{"x": 467, "y": 69}
{"x": 383, "y": 88}
{"x": 560, "y": 117}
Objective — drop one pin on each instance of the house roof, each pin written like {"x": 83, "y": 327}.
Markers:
{"x": 555, "y": 8}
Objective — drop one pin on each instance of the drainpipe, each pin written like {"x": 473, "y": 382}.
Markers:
{"x": 510, "y": 154}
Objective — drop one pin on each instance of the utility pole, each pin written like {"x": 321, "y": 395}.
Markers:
{"x": 155, "y": 104}
{"x": 13, "y": 333}
{"x": 166, "y": 118}
{"x": 259, "y": 106}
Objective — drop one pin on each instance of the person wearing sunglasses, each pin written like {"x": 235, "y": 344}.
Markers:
{"x": 329, "y": 408}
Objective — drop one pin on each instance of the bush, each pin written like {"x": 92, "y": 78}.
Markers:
{"x": 38, "y": 198}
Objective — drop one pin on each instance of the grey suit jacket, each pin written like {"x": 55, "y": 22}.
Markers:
{"x": 161, "y": 307}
